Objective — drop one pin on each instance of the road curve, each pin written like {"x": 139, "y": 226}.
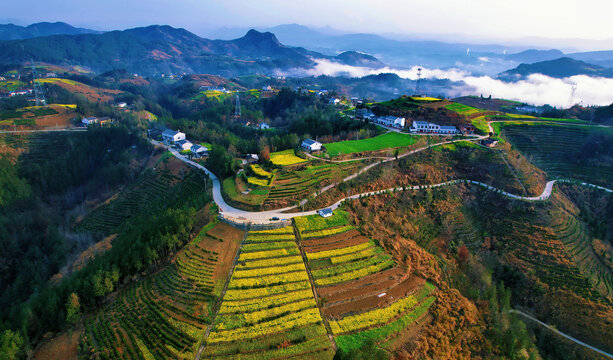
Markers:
{"x": 264, "y": 216}
{"x": 561, "y": 333}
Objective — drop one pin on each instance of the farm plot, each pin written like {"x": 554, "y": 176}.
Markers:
{"x": 365, "y": 295}
{"x": 285, "y": 158}
{"x": 269, "y": 310}
{"x": 166, "y": 315}
{"x": 152, "y": 189}
{"x": 560, "y": 150}
{"x": 389, "y": 140}
{"x": 577, "y": 241}
{"x": 289, "y": 186}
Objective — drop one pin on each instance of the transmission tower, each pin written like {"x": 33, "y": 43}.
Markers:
{"x": 39, "y": 96}
{"x": 573, "y": 89}
{"x": 237, "y": 109}
{"x": 417, "y": 86}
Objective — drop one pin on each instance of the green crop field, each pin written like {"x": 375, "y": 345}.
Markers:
{"x": 386, "y": 141}
{"x": 462, "y": 109}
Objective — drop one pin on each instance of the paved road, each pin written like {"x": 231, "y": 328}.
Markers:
{"x": 264, "y": 216}
{"x": 561, "y": 333}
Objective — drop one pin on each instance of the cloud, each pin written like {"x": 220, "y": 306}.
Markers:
{"x": 536, "y": 89}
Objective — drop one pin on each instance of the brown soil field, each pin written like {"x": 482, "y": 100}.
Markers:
{"x": 362, "y": 286}
{"x": 330, "y": 239}
{"x": 91, "y": 93}
{"x": 365, "y": 303}
{"x": 61, "y": 347}
{"x": 356, "y": 240}
{"x": 226, "y": 250}
{"x": 62, "y": 119}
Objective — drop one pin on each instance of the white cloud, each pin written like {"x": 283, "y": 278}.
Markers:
{"x": 537, "y": 89}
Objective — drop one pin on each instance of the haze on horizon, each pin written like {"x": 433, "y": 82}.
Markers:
{"x": 479, "y": 20}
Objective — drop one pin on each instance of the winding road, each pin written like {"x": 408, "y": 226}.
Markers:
{"x": 561, "y": 333}
{"x": 264, "y": 217}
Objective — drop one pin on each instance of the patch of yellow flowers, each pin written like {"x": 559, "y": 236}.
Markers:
{"x": 338, "y": 252}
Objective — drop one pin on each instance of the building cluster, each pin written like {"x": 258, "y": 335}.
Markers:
{"x": 20, "y": 92}
{"x": 215, "y": 88}
{"x": 177, "y": 139}
{"x": 87, "y": 121}
{"x": 387, "y": 120}
{"x": 426, "y": 127}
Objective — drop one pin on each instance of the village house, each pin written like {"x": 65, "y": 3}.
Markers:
{"x": 252, "y": 158}
{"x": 335, "y": 101}
{"x": 199, "y": 150}
{"x": 172, "y": 136}
{"x": 122, "y": 105}
{"x": 183, "y": 145}
{"x": 311, "y": 145}
{"x": 263, "y": 126}
{"x": 431, "y": 128}
{"x": 467, "y": 129}
{"x": 327, "y": 212}
{"x": 89, "y": 120}
{"x": 391, "y": 121}
{"x": 365, "y": 114}
{"x": 267, "y": 88}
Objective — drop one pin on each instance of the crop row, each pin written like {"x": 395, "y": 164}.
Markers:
{"x": 379, "y": 316}
{"x": 240, "y": 273}
{"x": 355, "y": 341}
{"x": 326, "y": 232}
{"x": 349, "y": 266}
{"x": 264, "y": 302}
{"x": 338, "y": 252}
{"x": 356, "y": 274}
{"x": 275, "y": 279}
{"x": 268, "y": 246}
{"x": 283, "y": 230}
{"x": 269, "y": 237}
{"x": 293, "y": 320}
{"x": 244, "y": 256}
{"x": 273, "y": 346}
{"x": 255, "y": 264}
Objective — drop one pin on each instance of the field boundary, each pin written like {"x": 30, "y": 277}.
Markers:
{"x": 217, "y": 305}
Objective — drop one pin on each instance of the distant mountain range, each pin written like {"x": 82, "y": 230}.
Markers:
{"x": 558, "y": 68}
{"x": 488, "y": 59}
{"x": 16, "y": 32}
{"x": 164, "y": 49}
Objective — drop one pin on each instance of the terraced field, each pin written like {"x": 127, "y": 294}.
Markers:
{"x": 289, "y": 186}
{"x": 268, "y": 310}
{"x": 166, "y": 315}
{"x": 576, "y": 239}
{"x": 151, "y": 189}
{"x": 556, "y": 148}
{"x": 363, "y": 293}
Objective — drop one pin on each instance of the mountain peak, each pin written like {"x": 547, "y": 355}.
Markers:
{"x": 262, "y": 38}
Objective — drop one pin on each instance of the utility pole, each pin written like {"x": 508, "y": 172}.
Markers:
{"x": 237, "y": 109}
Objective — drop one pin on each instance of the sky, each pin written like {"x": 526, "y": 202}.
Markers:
{"x": 493, "y": 19}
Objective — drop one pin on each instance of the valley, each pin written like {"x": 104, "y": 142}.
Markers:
{"x": 165, "y": 195}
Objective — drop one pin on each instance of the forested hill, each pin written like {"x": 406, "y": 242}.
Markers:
{"x": 164, "y": 49}
{"x": 559, "y": 68}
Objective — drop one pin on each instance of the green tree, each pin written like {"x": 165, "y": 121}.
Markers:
{"x": 73, "y": 309}
{"x": 10, "y": 345}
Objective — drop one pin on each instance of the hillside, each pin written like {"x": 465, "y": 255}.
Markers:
{"x": 164, "y": 49}
{"x": 559, "y": 68}
{"x": 16, "y": 32}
